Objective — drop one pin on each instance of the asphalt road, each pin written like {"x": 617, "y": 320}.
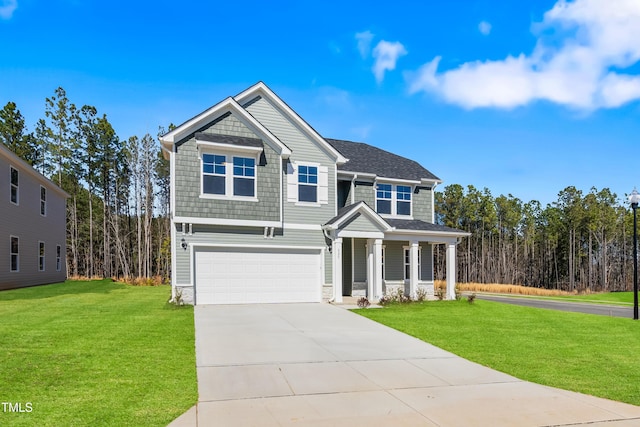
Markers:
{"x": 578, "y": 307}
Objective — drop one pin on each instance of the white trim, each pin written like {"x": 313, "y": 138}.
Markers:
{"x": 11, "y": 237}
{"x": 404, "y": 265}
{"x": 59, "y": 258}
{"x": 363, "y": 208}
{"x": 254, "y": 246}
{"x": 227, "y": 105}
{"x": 174, "y": 262}
{"x": 360, "y": 234}
{"x": 261, "y": 89}
{"x": 42, "y": 187}
{"x": 226, "y": 221}
{"x": 394, "y": 181}
{"x": 44, "y": 256}
{"x": 11, "y": 185}
{"x": 225, "y": 197}
{"x": 295, "y": 226}
{"x": 216, "y": 146}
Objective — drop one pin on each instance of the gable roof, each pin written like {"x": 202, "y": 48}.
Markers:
{"x": 365, "y": 158}
{"x": 347, "y": 212}
{"x": 227, "y": 105}
{"x": 261, "y": 89}
{"x": 15, "y": 160}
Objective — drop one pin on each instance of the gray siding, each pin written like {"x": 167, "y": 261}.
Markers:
{"x": 303, "y": 149}
{"x": 427, "y": 261}
{"x": 188, "y": 183}
{"x": 394, "y": 260}
{"x": 365, "y": 193}
{"x": 359, "y": 260}
{"x": 25, "y": 222}
{"x": 361, "y": 223}
{"x": 422, "y": 204}
{"x": 204, "y": 234}
{"x": 228, "y": 124}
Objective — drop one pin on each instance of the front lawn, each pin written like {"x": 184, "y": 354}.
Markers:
{"x": 91, "y": 353}
{"x": 591, "y": 354}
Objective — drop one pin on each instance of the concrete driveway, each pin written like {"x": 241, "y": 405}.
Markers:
{"x": 321, "y": 365}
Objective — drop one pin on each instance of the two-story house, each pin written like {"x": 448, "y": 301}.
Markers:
{"x": 264, "y": 209}
{"x": 32, "y": 225}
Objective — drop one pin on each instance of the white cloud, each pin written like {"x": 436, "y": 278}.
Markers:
{"x": 578, "y": 62}
{"x": 7, "y": 7}
{"x": 364, "y": 42}
{"x": 484, "y": 27}
{"x": 386, "y": 55}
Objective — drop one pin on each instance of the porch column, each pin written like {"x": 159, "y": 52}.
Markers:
{"x": 377, "y": 263}
{"x": 413, "y": 267}
{"x": 337, "y": 269}
{"x": 451, "y": 271}
{"x": 370, "y": 269}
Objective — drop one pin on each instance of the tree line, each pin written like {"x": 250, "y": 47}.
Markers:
{"x": 578, "y": 242}
{"x": 117, "y": 212}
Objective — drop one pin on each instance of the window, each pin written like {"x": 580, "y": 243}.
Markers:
{"x": 15, "y": 253}
{"x": 403, "y": 203}
{"x": 407, "y": 263}
{"x": 58, "y": 258}
{"x": 382, "y": 262}
{"x": 213, "y": 174}
{"x": 43, "y": 201}
{"x": 244, "y": 176}
{"x": 41, "y": 256}
{"x": 308, "y": 184}
{"x": 393, "y": 199}
{"x": 14, "y": 186}
{"x": 383, "y": 198}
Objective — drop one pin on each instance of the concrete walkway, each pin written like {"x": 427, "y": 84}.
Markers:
{"x": 321, "y": 365}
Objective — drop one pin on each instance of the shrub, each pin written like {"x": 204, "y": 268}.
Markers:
{"x": 440, "y": 293}
{"x": 421, "y": 295}
{"x": 471, "y": 298}
{"x": 458, "y": 293}
{"x": 363, "y": 302}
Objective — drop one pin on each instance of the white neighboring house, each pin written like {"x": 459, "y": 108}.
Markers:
{"x": 266, "y": 210}
{"x": 32, "y": 225}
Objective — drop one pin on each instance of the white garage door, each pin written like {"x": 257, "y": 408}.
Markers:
{"x": 257, "y": 275}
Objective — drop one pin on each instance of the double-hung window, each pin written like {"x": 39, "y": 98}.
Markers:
{"x": 213, "y": 174}
{"x": 393, "y": 199}
{"x": 58, "y": 258}
{"x": 14, "y": 186}
{"x": 383, "y": 199}
{"x": 403, "y": 200}
{"x": 244, "y": 176}
{"x": 308, "y": 183}
{"x": 14, "y": 250}
{"x": 407, "y": 263}
{"x": 41, "y": 256}
{"x": 43, "y": 201}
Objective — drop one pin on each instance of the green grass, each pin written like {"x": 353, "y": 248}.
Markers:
{"x": 596, "y": 355}
{"x": 95, "y": 353}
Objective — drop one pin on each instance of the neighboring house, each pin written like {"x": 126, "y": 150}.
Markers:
{"x": 32, "y": 225}
{"x": 264, "y": 209}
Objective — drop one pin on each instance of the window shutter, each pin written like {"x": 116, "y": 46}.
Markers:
{"x": 323, "y": 185}
{"x": 292, "y": 183}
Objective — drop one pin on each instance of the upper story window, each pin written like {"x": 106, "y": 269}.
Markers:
{"x": 228, "y": 176}
{"x": 213, "y": 174}
{"x": 393, "y": 199}
{"x": 308, "y": 184}
{"x": 383, "y": 198}
{"x": 14, "y": 186}
{"x": 403, "y": 202}
{"x": 43, "y": 201}
{"x": 244, "y": 176}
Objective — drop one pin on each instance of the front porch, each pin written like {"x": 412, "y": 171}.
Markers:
{"x": 373, "y": 256}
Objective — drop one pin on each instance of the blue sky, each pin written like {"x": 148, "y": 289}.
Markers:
{"x": 524, "y": 98}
